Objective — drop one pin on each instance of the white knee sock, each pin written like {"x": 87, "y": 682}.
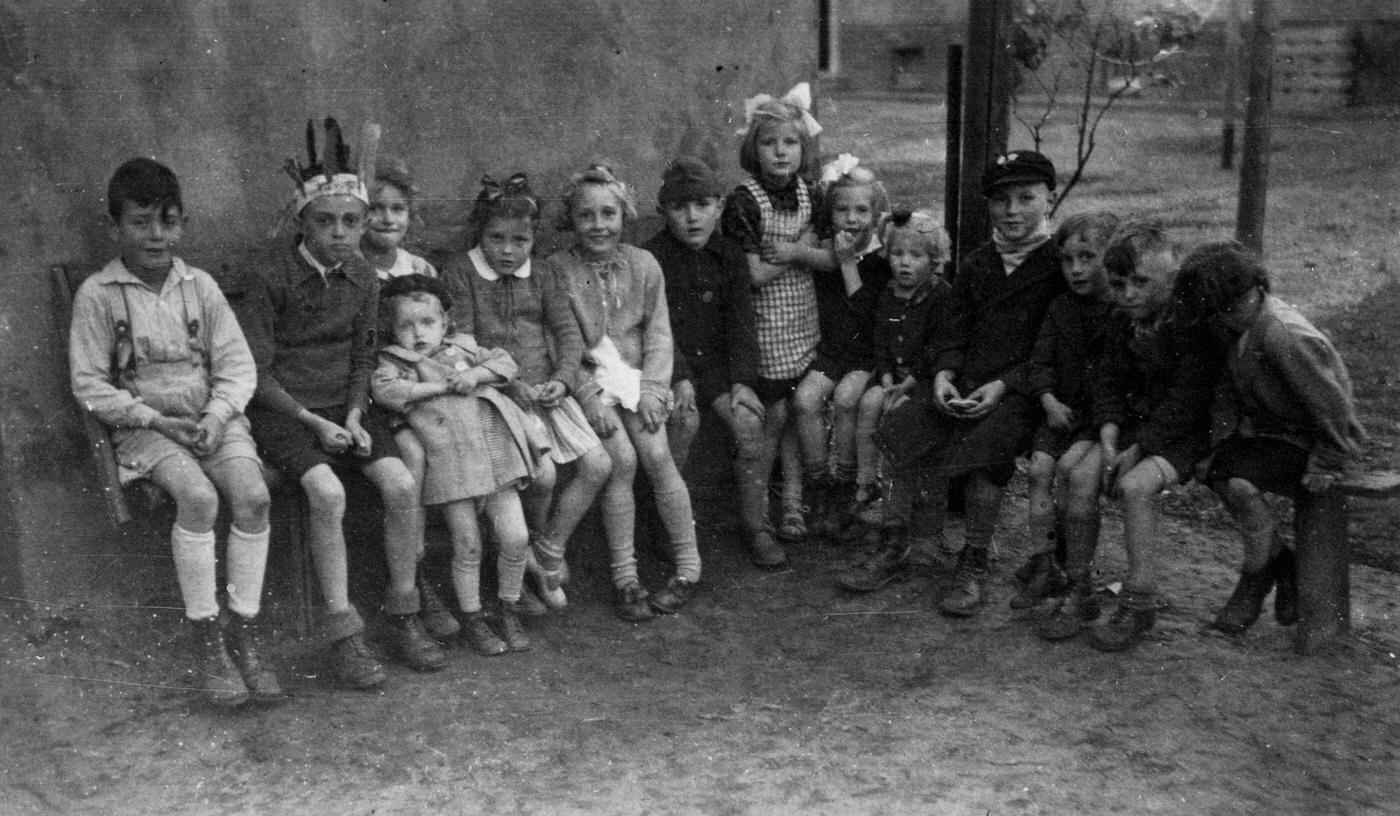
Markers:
{"x": 194, "y": 570}
{"x": 247, "y": 563}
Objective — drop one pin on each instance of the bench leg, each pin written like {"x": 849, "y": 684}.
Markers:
{"x": 1324, "y": 571}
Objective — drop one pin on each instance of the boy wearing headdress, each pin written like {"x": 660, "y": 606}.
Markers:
{"x": 309, "y": 314}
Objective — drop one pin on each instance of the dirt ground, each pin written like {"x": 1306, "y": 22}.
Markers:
{"x": 778, "y": 693}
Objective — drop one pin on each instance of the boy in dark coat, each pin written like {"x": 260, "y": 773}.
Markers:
{"x": 1152, "y": 403}
{"x": 978, "y": 414}
{"x": 712, "y": 327}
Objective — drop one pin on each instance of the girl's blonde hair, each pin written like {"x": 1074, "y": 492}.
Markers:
{"x": 597, "y": 175}
{"x": 846, "y": 171}
{"x": 768, "y": 114}
{"x": 919, "y": 227}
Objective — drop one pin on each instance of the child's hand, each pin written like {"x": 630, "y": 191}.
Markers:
{"x": 742, "y": 396}
{"x": 1059, "y": 416}
{"x": 550, "y": 392}
{"x": 180, "y": 430}
{"x": 522, "y": 392}
{"x": 332, "y": 437}
{"x": 684, "y": 393}
{"x": 984, "y": 399}
{"x": 845, "y": 245}
{"x": 463, "y": 382}
{"x": 1116, "y": 465}
{"x": 946, "y": 395}
{"x": 780, "y": 253}
{"x": 653, "y": 412}
{"x": 359, "y": 438}
{"x": 601, "y": 417}
{"x": 211, "y": 432}
{"x": 896, "y": 395}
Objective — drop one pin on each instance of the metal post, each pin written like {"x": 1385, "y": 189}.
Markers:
{"x": 952, "y": 167}
{"x": 1254, "y": 158}
{"x": 1232, "y": 84}
{"x": 985, "y": 106}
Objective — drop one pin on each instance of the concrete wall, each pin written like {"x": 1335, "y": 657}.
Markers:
{"x": 221, "y": 93}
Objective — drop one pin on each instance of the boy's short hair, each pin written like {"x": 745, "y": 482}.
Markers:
{"x": 416, "y": 287}
{"x": 1132, "y": 240}
{"x": 688, "y": 179}
{"x": 145, "y": 183}
{"x": 1097, "y": 226}
{"x": 598, "y": 175}
{"x": 931, "y": 235}
{"x": 1215, "y": 276}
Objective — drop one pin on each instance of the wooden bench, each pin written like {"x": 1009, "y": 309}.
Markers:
{"x": 1324, "y": 557}
{"x": 121, "y": 487}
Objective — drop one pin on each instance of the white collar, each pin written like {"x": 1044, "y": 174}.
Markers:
{"x": 484, "y": 269}
{"x": 315, "y": 264}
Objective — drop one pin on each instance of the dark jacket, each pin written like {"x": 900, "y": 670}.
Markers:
{"x": 1157, "y": 384}
{"x": 1065, "y": 359}
{"x": 314, "y": 340}
{"x": 712, "y": 328}
{"x": 847, "y": 321}
{"x": 994, "y": 318}
{"x": 905, "y": 328}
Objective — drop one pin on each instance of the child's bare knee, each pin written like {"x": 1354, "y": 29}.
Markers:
{"x": 324, "y": 493}
{"x": 594, "y": 466}
{"x": 197, "y": 502}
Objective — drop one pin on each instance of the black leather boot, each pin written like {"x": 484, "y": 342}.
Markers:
{"x": 1242, "y": 609}
{"x": 964, "y": 599}
{"x": 257, "y": 676}
{"x": 218, "y": 678}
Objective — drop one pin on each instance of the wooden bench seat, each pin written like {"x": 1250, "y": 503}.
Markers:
{"x": 122, "y": 488}
{"x": 1324, "y": 557}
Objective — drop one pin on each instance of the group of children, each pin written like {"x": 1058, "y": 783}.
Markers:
{"x": 800, "y": 310}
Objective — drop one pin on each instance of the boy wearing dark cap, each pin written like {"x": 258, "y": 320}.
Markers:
{"x": 712, "y": 327}
{"x": 979, "y": 413}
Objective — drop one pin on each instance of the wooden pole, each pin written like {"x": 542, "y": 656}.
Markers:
{"x": 952, "y": 166}
{"x": 985, "y": 105}
{"x": 1232, "y": 85}
{"x": 1254, "y": 159}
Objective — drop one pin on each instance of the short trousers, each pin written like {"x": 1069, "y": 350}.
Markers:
{"x": 1182, "y": 458}
{"x": 771, "y": 391}
{"x": 289, "y": 446}
{"x": 833, "y": 367}
{"x": 1272, "y": 465}
{"x": 1056, "y": 443}
{"x": 141, "y": 449}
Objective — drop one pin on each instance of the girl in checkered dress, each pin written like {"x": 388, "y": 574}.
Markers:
{"x": 772, "y": 216}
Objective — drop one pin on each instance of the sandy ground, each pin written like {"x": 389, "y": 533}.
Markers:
{"x": 778, "y": 693}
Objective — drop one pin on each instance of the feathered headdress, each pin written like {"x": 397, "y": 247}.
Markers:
{"x": 332, "y": 174}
